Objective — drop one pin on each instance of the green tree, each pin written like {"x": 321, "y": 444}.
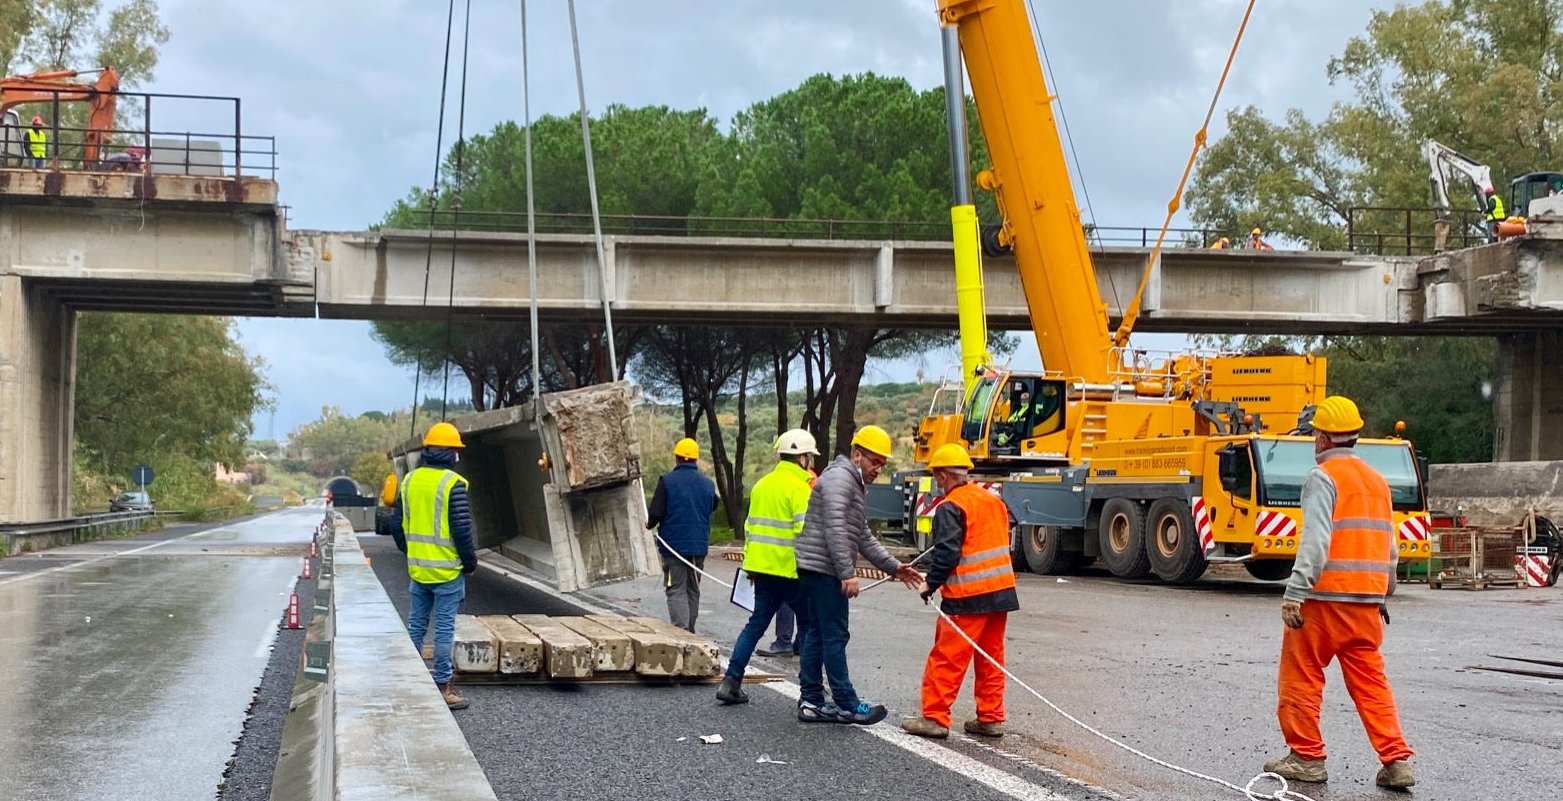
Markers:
{"x": 332, "y": 445}
{"x": 149, "y": 384}
{"x": 370, "y": 469}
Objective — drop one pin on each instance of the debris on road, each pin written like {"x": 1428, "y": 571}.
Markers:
{"x": 711, "y": 739}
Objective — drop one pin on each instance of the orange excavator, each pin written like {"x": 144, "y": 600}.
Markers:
{"x": 45, "y": 87}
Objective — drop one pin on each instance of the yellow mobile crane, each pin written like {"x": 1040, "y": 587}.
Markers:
{"x": 1153, "y": 466}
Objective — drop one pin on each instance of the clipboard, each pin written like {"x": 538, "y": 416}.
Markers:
{"x": 743, "y": 590}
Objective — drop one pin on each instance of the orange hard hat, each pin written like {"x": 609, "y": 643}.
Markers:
{"x": 1489, "y": 190}
{"x": 37, "y": 120}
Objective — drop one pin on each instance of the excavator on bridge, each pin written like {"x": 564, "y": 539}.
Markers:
{"x": 101, "y": 97}
{"x": 1152, "y": 465}
{"x": 1445, "y": 163}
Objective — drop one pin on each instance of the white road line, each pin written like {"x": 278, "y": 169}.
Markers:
{"x": 976, "y": 770}
{"x": 268, "y": 636}
{"x": 132, "y": 551}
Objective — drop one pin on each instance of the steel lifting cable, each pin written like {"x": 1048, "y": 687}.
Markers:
{"x": 455, "y": 208}
{"x": 434, "y": 188}
{"x": 1121, "y": 337}
{"x": 531, "y": 225}
{"x": 591, "y": 186}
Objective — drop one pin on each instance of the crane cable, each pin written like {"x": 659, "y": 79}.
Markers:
{"x": 591, "y": 186}
{"x": 434, "y": 188}
{"x": 457, "y": 185}
{"x": 1121, "y": 337}
{"x": 531, "y": 224}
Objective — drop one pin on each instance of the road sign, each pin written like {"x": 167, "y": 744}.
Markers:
{"x": 141, "y": 475}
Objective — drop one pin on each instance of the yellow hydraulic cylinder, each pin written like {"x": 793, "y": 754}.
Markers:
{"x": 968, "y": 293}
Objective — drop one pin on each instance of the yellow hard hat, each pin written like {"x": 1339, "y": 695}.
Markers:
{"x": 443, "y": 435}
{"x": 874, "y": 440}
{"x": 1337, "y": 415}
{"x": 950, "y": 455}
{"x": 686, "y": 448}
{"x": 388, "y": 490}
{"x": 1256, "y": 232}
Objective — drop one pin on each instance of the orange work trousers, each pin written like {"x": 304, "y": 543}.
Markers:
{"x": 1351, "y": 633}
{"x": 947, "y": 667}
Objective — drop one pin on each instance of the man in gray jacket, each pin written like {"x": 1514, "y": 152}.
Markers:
{"x": 835, "y": 531}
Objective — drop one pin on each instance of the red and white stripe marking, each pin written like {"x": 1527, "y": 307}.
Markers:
{"x": 1416, "y": 528}
{"x": 1535, "y": 564}
{"x": 1207, "y": 538}
{"x": 1274, "y": 525}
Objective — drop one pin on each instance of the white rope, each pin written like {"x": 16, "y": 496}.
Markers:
{"x": 1282, "y": 794}
{"x": 591, "y": 186}
{"x": 915, "y": 560}
{"x": 680, "y": 557}
{"x": 531, "y": 228}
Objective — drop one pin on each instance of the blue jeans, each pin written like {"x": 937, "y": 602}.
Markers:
{"x": 442, "y": 599}
{"x": 786, "y": 626}
{"x": 771, "y": 594}
{"x": 823, "y": 620}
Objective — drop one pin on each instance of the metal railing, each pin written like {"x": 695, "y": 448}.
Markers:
{"x": 1391, "y": 231}
{"x": 145, "y": 149}
{"x": 11, "y": 533}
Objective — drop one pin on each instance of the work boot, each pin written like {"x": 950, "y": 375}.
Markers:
{"x": 452, "y": 700}
{"x": 1294, "y": 767}
{"x": 924, "y": 727}
{"x": 776, "y": 651}
{"x": 813, "y": 713}
{"x": 864, "y": 714}
{"x": 1396, "y": 775}
{"x": 985, "y": 729}
{"x": 732, "y": 691}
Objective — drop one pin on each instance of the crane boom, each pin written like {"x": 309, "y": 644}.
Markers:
{"x": 1031, "y": 181}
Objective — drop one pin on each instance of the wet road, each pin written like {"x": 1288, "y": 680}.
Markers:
{"x": 1188, "y": 674}
{"x": 127, "y": 667}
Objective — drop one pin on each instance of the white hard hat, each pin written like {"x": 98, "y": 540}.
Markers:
{"x": 796, "y": 441}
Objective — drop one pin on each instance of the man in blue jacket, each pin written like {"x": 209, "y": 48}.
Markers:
{"x": 433, "y": 526}
{"x": 681, "y": 510}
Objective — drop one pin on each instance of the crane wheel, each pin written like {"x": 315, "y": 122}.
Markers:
{"x": 1172, "y": 544}
{"x": 1121, "y": 538}
{"x": 1045, "y": 550}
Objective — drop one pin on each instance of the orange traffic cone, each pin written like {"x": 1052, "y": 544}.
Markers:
{"x": 306, "y": 574}
{"x": 292, "y": 619}
{"x": 313, "y": 549}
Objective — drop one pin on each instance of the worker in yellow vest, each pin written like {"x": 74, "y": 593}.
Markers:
{"x": 777, "y": 506}
{"x": 37, "y": 142}
{"x": 434, "y": 528}
{"x": 1333, "y": 606}
{"x": 971, "y": 569}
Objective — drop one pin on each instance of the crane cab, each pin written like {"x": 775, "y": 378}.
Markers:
{"x": 1534, "y": 186}
{"x": 1007, "y": 416}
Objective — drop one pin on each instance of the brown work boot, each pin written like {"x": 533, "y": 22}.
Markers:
{"x": 1396, "y": 775}
{"x": 452, "y": 700}
{"x": 1294, "y": 767}
{"x": 923, "y": 727}
{"x": 985, "y": 729}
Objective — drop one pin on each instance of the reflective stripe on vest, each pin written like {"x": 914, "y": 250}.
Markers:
{"x": 432, "y": 557}
{"x": 985, "y": 564}
{"x": 1496, "y": 214}
{"x": 1362, "y": 539}
{"x": 777, "y": 506}
{"x": 38, "y": 143}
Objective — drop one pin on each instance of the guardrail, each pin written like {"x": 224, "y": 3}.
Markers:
{"x": 1411, "y": 231}
{"x": 18, "y": 538}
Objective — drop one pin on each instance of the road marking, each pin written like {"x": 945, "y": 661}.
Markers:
{"x": 268, "y": 636}
{"x": 115, "y": 555}
{"x": 976, "y": 770}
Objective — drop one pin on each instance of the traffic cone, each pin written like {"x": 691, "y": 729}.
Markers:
{"x": 313, "y": 549}
{"x": 306, "y": 574}
{"x": 292, "y": 619}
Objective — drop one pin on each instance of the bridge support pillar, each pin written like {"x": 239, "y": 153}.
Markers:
{"x": 37, "y": 403}
{"x": 1528, "y": 397}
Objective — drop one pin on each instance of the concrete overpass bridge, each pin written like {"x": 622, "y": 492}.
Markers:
{"x": 214, "y": 245}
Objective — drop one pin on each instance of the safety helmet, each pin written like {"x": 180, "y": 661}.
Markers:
{"x": 874, "y": 440}
{"x": 950, "y": 455}
{"x": 1489, "y": 190}
{"x": 388, "y": 490}
{"x": 686, "y": 448}
{"x": 443, "y": 435}
{"x": 796, "y": 441}
{"x": 1337, "y": 415}
{"x": 37, "y": 120}
{"x": 1256, "y": 232}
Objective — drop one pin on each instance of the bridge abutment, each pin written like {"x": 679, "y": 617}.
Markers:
{"x": 37, "y": 400}
{"x": 1528, "y": 397}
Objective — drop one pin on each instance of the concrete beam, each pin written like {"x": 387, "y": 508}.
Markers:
{"x": 566, "y": 653}
{"x": 1497, "y": 494}
{"x": 520, "y": 651}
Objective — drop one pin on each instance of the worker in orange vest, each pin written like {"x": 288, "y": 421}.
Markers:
{"x": 971, "y": 569}
{"x": 1333, "y": 607}
{"x": 1256, "y": 240}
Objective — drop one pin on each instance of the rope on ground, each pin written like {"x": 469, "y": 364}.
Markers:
{"x": 1283, "y": 794}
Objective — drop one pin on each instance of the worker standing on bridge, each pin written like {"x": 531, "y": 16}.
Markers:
{"x": 971, "y": 569}
{"x": 776, "y": 510}
{"x": 835, "y": 532}
{"x": 434, "y": 528}
{"x": 37, "y": 142}
{"x": 1333, "y": 607}
{"x": 1256, "y": 240}
{"x": 1495, "y": 213}
{"x": 681, "y": 510}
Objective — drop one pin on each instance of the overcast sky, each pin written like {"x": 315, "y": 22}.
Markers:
{"x": 350, "y": 88}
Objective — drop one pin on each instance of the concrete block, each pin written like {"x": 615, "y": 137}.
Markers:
{"x": 520, "y": 651}
{"x": 614, "y": 651}
{"x": 655, "y": 654}
{"x": 476, "y": 650}
{"x": 701, "y": 656}
{"x": 566, "y": 653}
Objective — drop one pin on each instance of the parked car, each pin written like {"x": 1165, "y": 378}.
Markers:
{"x": 134, "y": 501}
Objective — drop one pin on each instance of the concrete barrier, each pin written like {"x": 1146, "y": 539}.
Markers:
{"x": 376, "y": 729}
{"x": 1497, "y": 493}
